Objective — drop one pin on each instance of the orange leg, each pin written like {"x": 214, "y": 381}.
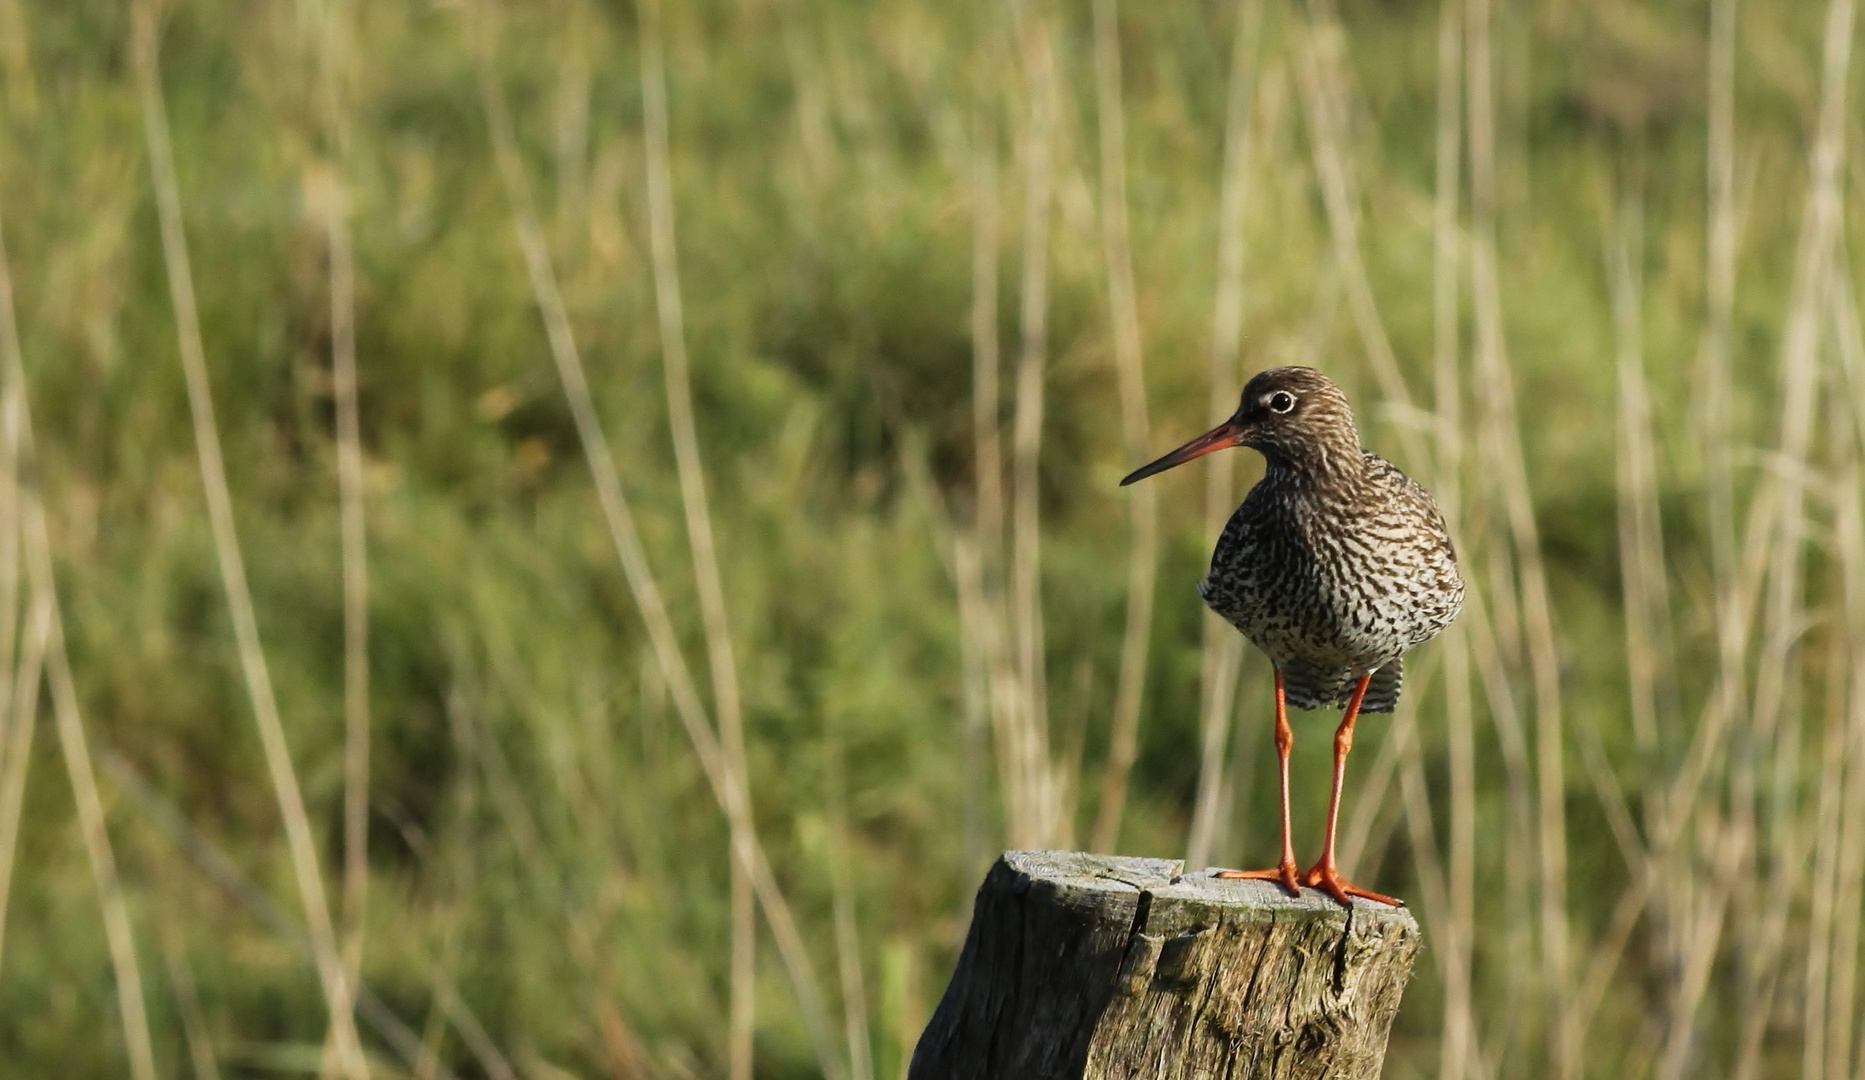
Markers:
{"x": 1323, "y": 874}
{"x": 1285, "y": 740}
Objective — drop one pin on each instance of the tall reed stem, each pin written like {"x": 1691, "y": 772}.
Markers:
{"x": 1457, "y": 1047}
{"x": 299, "y": 839}
{"x": 44, "y": 649}
{"x": 1123, "y": 309}
{"x": 1038, "y": 138}
{"x": 1221, "y": 649}
{"x": 847, "y": 932}
{"x": 986, "y": 547}
{"x": 1318, "y": 72}
{"x": 1849, "y": 540}
{"x": 23, "y": 705}
{"x": 669, "y": 310}
{"x": 25, "y": 629}
{"x": 118, "y": 933}
{"x": 1770, "y": 742}
{"x": 331, "y": 45}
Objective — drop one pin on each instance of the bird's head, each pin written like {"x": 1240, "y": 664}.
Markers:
{"x": 1293, "y": 415}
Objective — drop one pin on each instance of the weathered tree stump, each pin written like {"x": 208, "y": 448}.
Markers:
{"x": 1103, "y": 967}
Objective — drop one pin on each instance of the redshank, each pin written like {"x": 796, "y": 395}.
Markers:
{"x": 1335, "y": 565}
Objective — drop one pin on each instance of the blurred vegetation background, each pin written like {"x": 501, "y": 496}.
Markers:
{"x": 581, "y": 528}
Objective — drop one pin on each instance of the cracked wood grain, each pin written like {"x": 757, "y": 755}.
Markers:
{"x": 1111, "y": 968}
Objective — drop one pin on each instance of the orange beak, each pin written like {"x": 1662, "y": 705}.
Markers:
{"x": 1227, "y": 434}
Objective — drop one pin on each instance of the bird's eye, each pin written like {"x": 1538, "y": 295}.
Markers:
{"x": 1280, "y": 402}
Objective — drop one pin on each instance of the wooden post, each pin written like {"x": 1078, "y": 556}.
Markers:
{"x": 1101, "y": 967}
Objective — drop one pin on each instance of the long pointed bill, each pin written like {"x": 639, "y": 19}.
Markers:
{"x": 1222, "y": 437}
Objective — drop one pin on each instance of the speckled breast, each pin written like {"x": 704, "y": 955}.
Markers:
{"x": 1334, "y": 589}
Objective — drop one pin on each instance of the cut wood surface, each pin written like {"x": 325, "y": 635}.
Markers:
{"x": 1100, "y": 966}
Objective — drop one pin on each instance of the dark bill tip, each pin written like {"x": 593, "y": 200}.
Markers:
{"x": 1221, "y": 437}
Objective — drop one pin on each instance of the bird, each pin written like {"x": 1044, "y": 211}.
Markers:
{"x": 1335, "y": 565}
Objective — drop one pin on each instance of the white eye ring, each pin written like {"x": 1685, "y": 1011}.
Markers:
{"x": 1280, "y": 402}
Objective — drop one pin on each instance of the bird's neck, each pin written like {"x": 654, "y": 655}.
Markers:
{"x": 1321, "y": 471}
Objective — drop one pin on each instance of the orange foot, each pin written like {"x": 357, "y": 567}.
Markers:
{"x": 1285, "y": 873}
{"x": 1325, "y": 877}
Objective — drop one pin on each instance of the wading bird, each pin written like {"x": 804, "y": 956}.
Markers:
{"x": 1335, "y": 565}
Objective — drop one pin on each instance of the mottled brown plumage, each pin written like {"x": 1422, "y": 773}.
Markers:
{"x": 1335, "y": 565}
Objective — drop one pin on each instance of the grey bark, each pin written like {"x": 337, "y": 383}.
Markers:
{"x": 1110, "y": 968}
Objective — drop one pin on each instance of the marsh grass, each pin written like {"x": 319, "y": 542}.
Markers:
{"x": 544, "y": 353}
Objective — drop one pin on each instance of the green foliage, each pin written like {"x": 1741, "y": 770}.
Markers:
{"x": 542, "y": 837}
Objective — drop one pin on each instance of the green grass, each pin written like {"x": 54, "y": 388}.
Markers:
{"x": 542, "y": 836}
